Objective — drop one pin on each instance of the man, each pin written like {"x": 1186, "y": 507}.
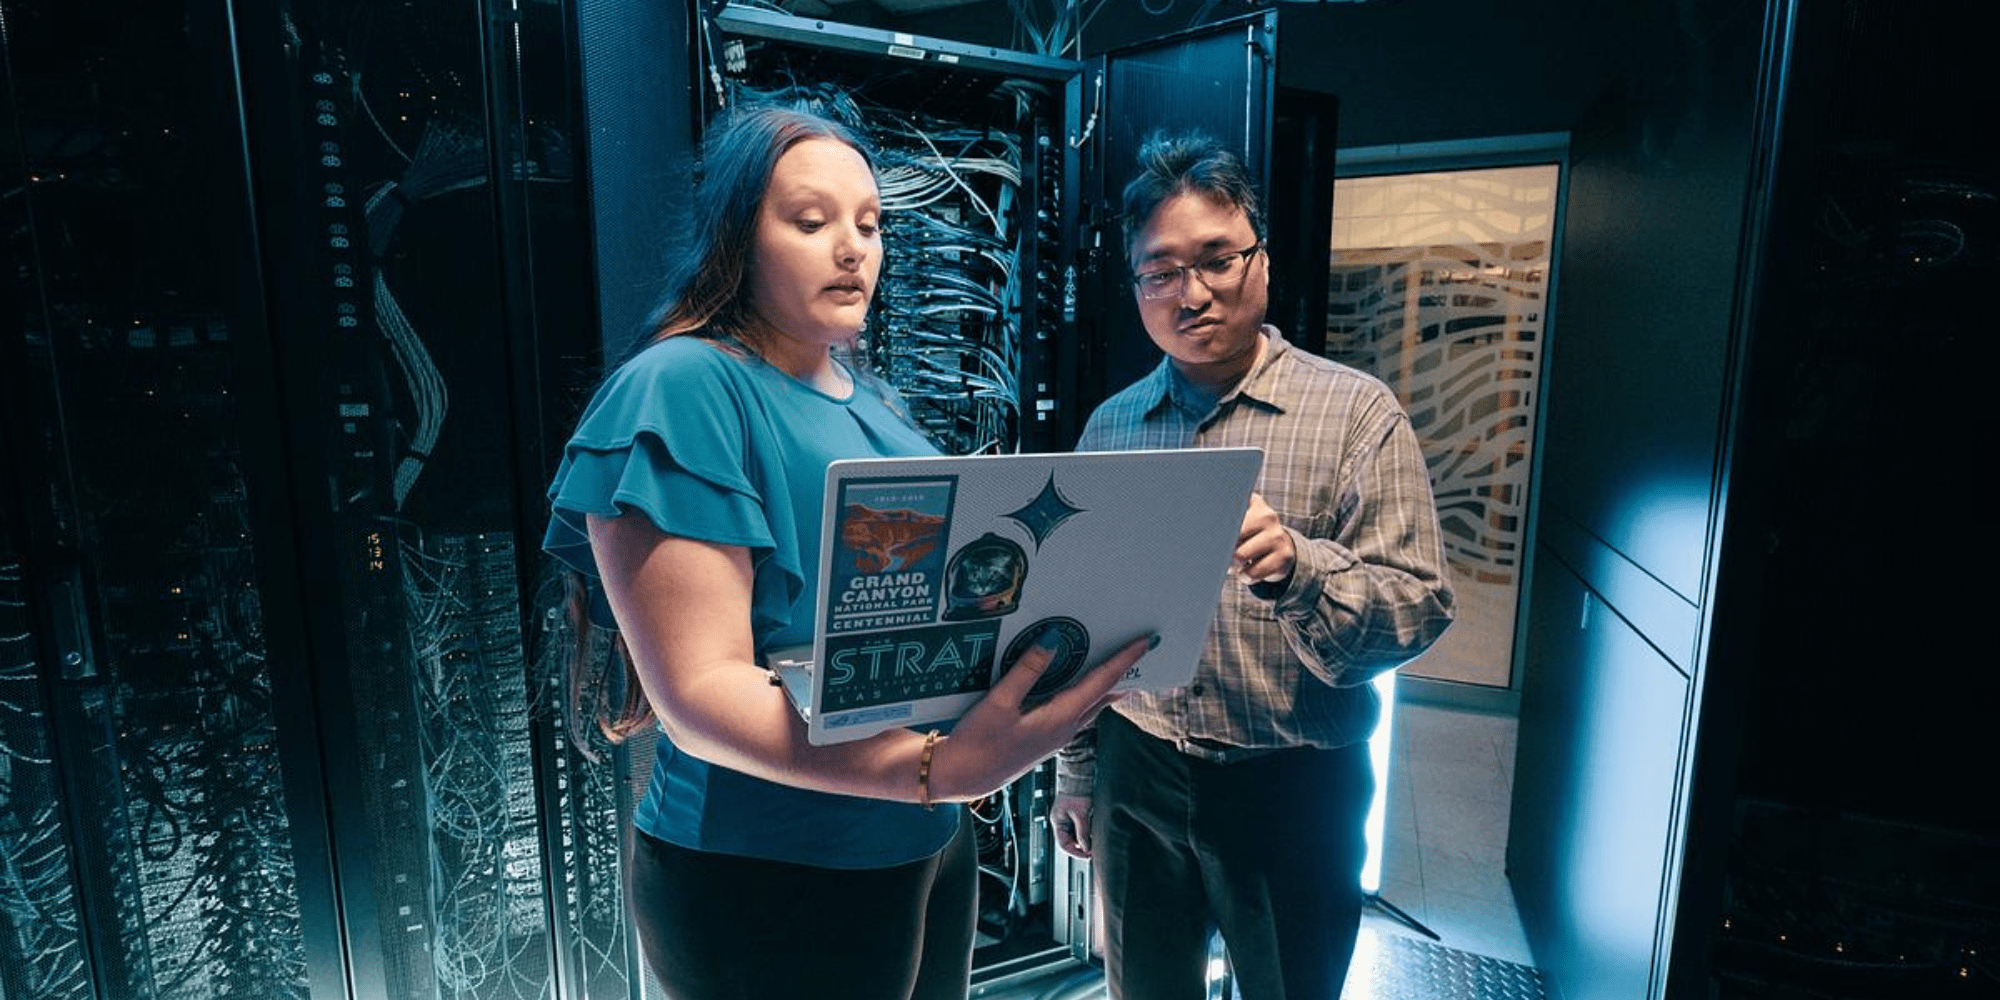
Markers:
{"x": 1238, "y": 802}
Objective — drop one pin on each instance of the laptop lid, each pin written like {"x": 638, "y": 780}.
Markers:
{"x": 936, "y": 573}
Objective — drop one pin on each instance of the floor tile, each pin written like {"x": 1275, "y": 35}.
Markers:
{"x": 1481, "y": 926}
{"x": 1449, "y": 869}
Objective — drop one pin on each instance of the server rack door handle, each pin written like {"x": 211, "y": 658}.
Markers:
{"x": 69, "y": 623}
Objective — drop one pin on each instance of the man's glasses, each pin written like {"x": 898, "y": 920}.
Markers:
{"x": 1224, "y": 270}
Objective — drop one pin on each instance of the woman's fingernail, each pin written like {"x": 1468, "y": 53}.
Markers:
{"x": 1153, "y": 641}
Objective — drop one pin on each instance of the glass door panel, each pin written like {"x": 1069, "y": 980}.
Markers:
{"x": 1439, "y": 285}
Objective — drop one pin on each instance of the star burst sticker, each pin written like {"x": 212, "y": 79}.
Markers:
{"x": 1045, "y": 512}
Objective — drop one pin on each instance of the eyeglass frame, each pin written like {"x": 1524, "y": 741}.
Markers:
{"x": 1184, "y": 271}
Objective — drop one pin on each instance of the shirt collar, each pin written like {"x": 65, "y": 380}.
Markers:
{"x": 1262, "y": 385}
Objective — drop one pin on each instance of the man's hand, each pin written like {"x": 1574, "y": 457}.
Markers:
{"x": 1264, "y": 552}
{"x": 1069, "y": 819}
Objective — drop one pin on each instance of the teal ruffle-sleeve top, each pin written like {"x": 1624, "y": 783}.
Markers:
{"x": 711, "y": 443}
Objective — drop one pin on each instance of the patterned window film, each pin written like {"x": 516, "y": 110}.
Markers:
{"x": 1439, "y": 286}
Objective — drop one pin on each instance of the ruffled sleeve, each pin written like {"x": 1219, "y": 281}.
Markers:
{"x": 669, "y": 435}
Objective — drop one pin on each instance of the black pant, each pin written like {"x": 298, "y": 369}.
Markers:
{"x": 1268, "y": 850}
{"x": 722, "y": 927}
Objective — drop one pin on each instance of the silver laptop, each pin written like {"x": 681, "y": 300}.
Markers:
{"x": 935, "y": 574}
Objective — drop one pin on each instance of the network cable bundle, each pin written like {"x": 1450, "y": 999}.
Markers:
{"x": 943, "y": 331}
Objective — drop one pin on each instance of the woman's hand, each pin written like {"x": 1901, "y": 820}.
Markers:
{"x": 998, "y": 741}
{"x": 683, "y": 606}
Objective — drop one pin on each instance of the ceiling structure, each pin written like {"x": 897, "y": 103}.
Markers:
{"x": 833, "y": 8}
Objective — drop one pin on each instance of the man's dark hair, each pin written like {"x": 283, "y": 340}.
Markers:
{"x": 1187, "y": 163}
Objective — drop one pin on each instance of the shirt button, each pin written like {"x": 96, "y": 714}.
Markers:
{"x": 1195, "y": 690}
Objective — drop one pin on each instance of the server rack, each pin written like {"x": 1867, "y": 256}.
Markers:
{"x": 266, "y": 713}
{"x": 978, "y": 155}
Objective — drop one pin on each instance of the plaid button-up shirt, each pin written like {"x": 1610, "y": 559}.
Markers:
{"x": 1288, "y": 664}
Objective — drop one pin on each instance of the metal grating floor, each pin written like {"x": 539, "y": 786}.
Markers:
{"x": 1394, "y": 967}
{"x": 1387, "y": 966}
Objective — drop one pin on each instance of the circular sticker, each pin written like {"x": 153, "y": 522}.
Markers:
{"x": 1071, "y": 643}
{"x": 983, "y": 580}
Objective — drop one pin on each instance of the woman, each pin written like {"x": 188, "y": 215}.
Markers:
{"x": 766, "y": 867}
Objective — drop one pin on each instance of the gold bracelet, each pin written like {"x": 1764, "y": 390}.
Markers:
{"x": 924, "y": 770}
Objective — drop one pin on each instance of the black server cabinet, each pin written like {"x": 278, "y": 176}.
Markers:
{"x": 1687, "y": 753}
{"x": 270, "y": 362}
{"x": 1222, "y": 79}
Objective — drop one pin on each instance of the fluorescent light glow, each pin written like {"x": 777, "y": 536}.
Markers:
{"x": 1378, "y": 810}
{"x": 1368, "y": 954}
{"x": 1217, "y": 968}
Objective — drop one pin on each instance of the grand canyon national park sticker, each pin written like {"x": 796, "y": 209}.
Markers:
{"x": 888, "y": 574}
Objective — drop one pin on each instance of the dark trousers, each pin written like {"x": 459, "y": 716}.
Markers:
{"x": 722, "y": 927}
{"x": 1268, "y": 851}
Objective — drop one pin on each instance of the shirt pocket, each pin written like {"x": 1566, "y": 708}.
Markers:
{"x": 1305, "y": 502}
